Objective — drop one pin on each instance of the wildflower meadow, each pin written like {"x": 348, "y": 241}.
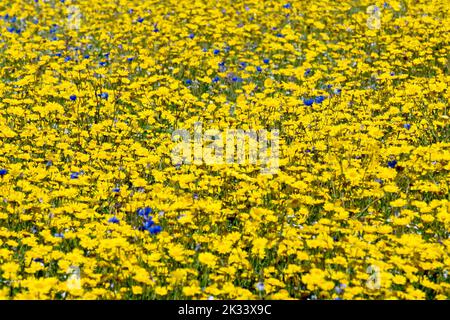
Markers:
{"x": 217, "y": 149}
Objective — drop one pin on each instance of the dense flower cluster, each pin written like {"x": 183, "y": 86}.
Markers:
{"x": 91, "y": 92}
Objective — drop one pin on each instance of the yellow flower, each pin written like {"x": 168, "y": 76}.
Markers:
{"x": 259, "y": 247}
{"x": 191, "y": 291}
{"x": 136, "y": 290}
{"x": 208, "y": 259}
{"x": 397, "y": 279}
{"x": 161, "y": 291}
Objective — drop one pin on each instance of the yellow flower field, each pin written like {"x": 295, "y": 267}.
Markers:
{"x": 92, "y": 205}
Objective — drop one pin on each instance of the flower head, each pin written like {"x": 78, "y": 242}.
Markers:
{"x": 74, "y": 175}
{"x": 308, "y": 102}
{"x": 319, "y": 99}
{"x": 113, "y": 220}
{"x": 155, "y": 229}
{"x": 392, "y": 163}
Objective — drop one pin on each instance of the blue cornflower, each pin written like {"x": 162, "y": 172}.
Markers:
{"x": 113, "y": 220}
{"x": 148, "y": 224}
{"x": 67, "y": 59}
{"x": 104, "y": 95}
{"x": 307, "y": 72}
{"x": 144, "y": 212}
{"x": 216, "y": 79}
{"x": 407, "y": 126}
{"x": 3, "y": 172}
{"x": 337, "y": 91}
{"x": 73, "y": 97}
{"x": 392, "y": 163}
{"x": 188, "y": 81}
{"x": 216, "y": 51}
{"x": 116, "y": 189}
{"x": 102, "y": 63}
{"x": 222, "y": 67}
{"x": 287, "y": 6}
{"x": 49, "y": 163}
{"x": 319, "y": 99}
{"x": 258, "y": 68}
{"x": 191, "y": 36}
{"x": 140, "y": 19}
{"x": 130, "y": 59}
{"x": 308, "y": 102}
{"x": 243, "y": 65}
{"x": 155, "y": 229}
{"x": 74, "y": 175}
{"x": 266, "y": 61}
{"x": 260, "y": 286}
{"x": 86, "y": 56}
{"x": 339, "y": 289}
{"x": 148, "y": 210}
{"x": 59, "y": 235}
